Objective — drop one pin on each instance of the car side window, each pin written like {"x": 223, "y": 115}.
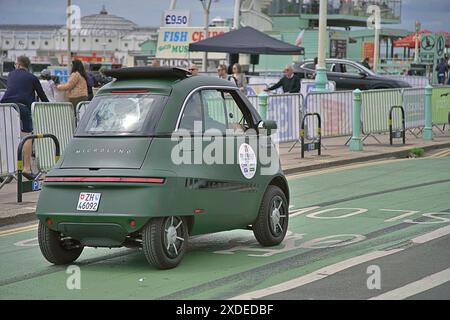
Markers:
{"x": 236, "y": 119}
{"x": 352, "y": 69}
{"x": 192, "y": 118}
{"x": 214, "y": 113}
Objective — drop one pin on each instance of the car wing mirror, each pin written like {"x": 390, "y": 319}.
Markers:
{"x": 269, "y": 125}
{"x": 363, "y": 74}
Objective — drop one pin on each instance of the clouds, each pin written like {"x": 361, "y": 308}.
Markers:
{"x": 434, "y": 14}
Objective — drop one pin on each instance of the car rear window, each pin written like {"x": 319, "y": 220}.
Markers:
{"x": 122, "y": 114}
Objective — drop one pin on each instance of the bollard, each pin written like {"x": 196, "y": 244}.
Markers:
{"x": 263, "y": 102}
{"x": 428, "y": 131}
{"x": 356, "y": 142}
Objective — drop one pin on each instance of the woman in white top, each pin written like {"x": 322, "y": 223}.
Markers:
{"x": 241, "y": 80}
{"x": 48, "y": 85}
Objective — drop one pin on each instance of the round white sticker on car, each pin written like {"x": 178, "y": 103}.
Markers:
{"x": 247, "y": 161}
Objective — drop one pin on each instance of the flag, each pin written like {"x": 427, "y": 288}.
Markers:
{"x": 299, "y": 39}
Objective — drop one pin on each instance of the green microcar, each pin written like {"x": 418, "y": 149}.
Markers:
{"x": 159, "y": 156}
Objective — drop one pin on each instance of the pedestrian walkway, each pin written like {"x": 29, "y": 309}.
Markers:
{"x": 334, "y": 153}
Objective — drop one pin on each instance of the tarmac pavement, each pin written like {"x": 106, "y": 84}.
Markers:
{"x": 335, "y": 153}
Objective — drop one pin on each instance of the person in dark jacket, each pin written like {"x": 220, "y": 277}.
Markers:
{"x": 442, "y": 71}
{"x": 290, "y": 82}
{"x": 22, "y": 87}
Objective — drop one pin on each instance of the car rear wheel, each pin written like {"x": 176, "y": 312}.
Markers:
{"x": 271, "y": 224}
{"x": 56, "y": 248}
{"x": 164, "y": 241}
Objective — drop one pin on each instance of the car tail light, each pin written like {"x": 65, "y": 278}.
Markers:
{"x": 49, "y": 221}
{"x": 198, "y": 211}
{"x": 105, "y": 179}
{"x": 132, "y": 223}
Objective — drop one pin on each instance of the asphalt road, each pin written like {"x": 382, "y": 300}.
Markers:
{"x": 360, "y": 232}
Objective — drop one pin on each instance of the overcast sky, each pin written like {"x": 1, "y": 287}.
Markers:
{"x": 434, "y": 14}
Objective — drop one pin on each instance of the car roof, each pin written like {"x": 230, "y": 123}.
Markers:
{"x": 160, "y": 80}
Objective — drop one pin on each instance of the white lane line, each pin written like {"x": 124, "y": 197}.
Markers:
{"x": 317, "y": 275}
{"x": 432, "y": 235}
{"x": 337, "y": 267}
{"x": 416, "y": 287}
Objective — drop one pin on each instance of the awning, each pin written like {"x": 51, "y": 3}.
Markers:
{"x": 246, "y": 40}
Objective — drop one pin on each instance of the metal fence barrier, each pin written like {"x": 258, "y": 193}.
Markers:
{"x": 52, "y": 118}
{"x": 414, "y": 106}
{"x": 414, "y": 81}
{"x": 286, "y": 110}
{"x": 441, "y": 105}
{"x": 9, "y": 141}
{"x": 375, "y": 107}
{"x": 335, "y": 109}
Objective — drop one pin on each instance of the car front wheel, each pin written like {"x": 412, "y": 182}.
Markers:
{"x": 271, "y": 224}
{"x": 56, "y": 248}
{"x": 164, "y": 241}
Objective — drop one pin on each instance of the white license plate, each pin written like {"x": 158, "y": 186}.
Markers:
{"x": 88, "y": 201}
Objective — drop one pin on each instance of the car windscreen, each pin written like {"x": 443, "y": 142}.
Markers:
{"x": 122, "y": 114}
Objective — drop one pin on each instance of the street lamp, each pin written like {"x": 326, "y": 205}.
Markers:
{"x": 321, "y": 73}
{"x": 416, "y": 50}
{"x": 69, "y": 34}
{"x": 206, "y": 7}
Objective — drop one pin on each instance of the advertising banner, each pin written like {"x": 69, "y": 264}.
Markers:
{"x": 173, "y": 43}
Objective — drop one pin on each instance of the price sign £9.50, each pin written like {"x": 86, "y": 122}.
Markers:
{"x": 176, "y": 18}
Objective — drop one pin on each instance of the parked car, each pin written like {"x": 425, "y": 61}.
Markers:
{"x": 349, "y": 75}
{"x": 117, "y": 183}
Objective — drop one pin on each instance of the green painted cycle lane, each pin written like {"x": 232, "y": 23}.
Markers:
{"x": 226, "y": 264}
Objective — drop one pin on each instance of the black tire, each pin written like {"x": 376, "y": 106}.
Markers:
{"x": 160, "y": 247}
{"x": 55, "y": 249}
{"x": 266, "y": 231}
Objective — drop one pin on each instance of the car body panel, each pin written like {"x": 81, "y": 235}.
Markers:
{"x": 215, "y": 197}
{"x": 361, "y": 78}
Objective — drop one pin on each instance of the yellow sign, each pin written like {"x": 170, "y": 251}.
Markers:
{"x": 173, "y": 43}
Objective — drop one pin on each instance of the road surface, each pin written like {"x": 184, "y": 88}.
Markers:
{"x": 371, "y": 231}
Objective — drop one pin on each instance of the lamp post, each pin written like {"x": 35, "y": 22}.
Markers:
{"x": 416, "y": 50}
{"x": 321, "y": 73}
{"x": 237, "y": 8}
{"x": 69, "y": 34}
{"x": 206, "y": 7}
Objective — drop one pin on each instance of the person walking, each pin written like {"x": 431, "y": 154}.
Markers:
{"x": 223, "y": 74}
{"x": 22, "y": 87}
{"x": 76, "y": 87}
{"x": 48, "y": 85}
{"x": 241, "y": 80}
{"x": 290, "y": 82}
{"x": 442, "y": 71}
{"x": 90, "y": 80}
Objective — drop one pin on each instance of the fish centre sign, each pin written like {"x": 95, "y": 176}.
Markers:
{"x": 173, "y": 43}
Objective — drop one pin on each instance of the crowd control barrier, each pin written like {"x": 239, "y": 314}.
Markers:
{"x": 9, "y": 141}
{"x": 57, "y": 119}
{"x": 35, "y": 185}
{"x": 316, "y": 143}
{"x": 286, "y": 111}
{"x": 414, "y": 81}
{"x": 441, "y": 105}
{"x": 398, "y": 134}
{"x": 335, "y": 109}
{"x": 375, "y": 106}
